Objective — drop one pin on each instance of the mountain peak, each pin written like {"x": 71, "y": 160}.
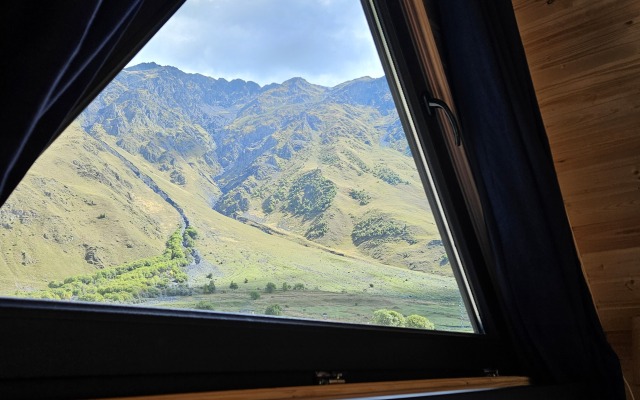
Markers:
{"x": 297, "y": 81}
{"x": 144, "y": 66}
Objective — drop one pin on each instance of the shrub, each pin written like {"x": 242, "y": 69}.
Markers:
{"x": 147, "y": 277}
{"x": 254, "y": 295}
{"x": 378, "y": 227}
{"x": 273, "y": 310}
{"x": 418, "y": 322}
{"x": 361, "y": 195}
{"x": 388, "y": 175}
{"x": 317, "y": 230}
{"x": 298, "y": 286}
{"x": 233, "y": 285}
{"x": 311, "y": 194}
{"x": 55, "y": 284}
{"x": 388, "y": 318}
{"x": 270, "y": 287}
{"x": 191, "y": 232}
{"x": 285, "y": 286}
{"x": 209, "y": 287}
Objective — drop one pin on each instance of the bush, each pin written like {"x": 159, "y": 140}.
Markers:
{"x": 388, "y": 318}
{"x": 191, "y": 232}
{"x": 388, "y": 175}
{"x": 254, "y": 295}
{"x": 147, "y": 277}
{"x": 233, "y": 285}
{"x": 418, "y": 322}
{"x": 55, "y": 284}
{"x": 361, "y": 195}
{"x": 270, "y": 287}
{"x": 310, "y": 194}
{"x": 273, "y": 310}
{"x": 298, "y": 286}
{"x": 285, "y": 286}
{"x": 209, "y": 287}
{"x": 377, "y": 227}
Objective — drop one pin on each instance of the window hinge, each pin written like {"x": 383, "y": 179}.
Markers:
{"x": 493, "y": 372}
{"x": 432, "y": 103}
{"x": 329, "y": 378}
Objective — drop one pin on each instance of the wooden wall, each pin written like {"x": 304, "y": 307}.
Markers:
{"x": 584, "y": 57}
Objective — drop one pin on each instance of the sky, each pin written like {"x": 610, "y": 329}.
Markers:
{"x": 327, "y": 42}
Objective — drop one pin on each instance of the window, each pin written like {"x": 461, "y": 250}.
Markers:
{"x": 223, "y": 206}
{"x": 294, "y": 198}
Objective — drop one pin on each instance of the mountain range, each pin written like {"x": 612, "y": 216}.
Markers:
{"x": 321, "y": 171}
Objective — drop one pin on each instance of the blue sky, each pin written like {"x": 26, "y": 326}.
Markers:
{"x": 326, "y": 42}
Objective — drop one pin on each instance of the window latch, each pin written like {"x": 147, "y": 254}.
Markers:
{"x": 329, "y": 378}
{"x": 432, "y": 103}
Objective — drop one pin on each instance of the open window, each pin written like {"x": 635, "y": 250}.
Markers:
{"x": 232, "y": 234}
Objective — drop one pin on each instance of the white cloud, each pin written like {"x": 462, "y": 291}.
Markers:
{"x": 325, "y": 42}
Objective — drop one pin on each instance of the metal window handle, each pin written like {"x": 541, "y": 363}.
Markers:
{"x": 433, "y": 103}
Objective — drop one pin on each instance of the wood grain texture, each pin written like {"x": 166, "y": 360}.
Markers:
{"x": 584, "y": 58}
{"x": 353, "y": 390}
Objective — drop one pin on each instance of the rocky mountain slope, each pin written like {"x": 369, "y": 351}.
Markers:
{"x": 327, "y": 171}
{"x": 303, "y": 158}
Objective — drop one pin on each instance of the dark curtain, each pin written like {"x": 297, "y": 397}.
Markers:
{"x": 537, "y": 271}
{"x": 56, "y": 56}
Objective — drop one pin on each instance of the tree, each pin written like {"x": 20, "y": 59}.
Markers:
{"x": 298, "y": 286}
{"x": 209, "y": 287}
{"x": 285, "y": 286}
{"x": 254, "y": 295}
{"x": 191, "y": 232}
{"x": 418, "y": 322}
{"x": 388, "y": 318}
{"x": 270, "y": 288}
{"x": 233, "y": 285}
{"x": 273, "y": 310}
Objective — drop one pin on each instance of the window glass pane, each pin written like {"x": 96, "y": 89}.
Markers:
{"x": 255, "y": 168}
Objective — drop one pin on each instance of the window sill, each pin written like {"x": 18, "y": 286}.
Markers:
{"x": 353, "y": 390}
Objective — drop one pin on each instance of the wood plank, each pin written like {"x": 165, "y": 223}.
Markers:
{"x": 575, "y": 154}
{"x": 602, "y": 207}
{"x": 610, "y": 235}
{"x": 350, "y": 390}
{"x": 613, "y": 264}
{"x": 536, "y": 17}
{"x": 573, "y": 26}
{"x": 618, "y": 317}
{"x": 612, "y": 176}
{"x": 616, "y": 291}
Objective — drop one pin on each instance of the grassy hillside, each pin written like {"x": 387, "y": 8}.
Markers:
{"x": 306, "y": 201}
{"x": 78, "y": 210}
{"x": 334, "y": 281}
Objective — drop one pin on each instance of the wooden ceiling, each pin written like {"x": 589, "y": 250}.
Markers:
{"x": 584, "y": 57}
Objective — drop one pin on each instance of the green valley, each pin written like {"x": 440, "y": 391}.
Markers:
{"x": 180, "y": 190}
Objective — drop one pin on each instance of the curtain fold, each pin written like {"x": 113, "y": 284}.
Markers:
{"x": 537, "y": 271}
{"x": 54, "y": 54}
